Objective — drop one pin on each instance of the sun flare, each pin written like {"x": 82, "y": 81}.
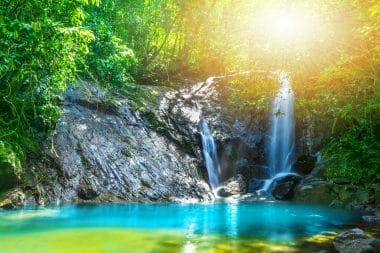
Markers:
{"x": 286, "y": 26}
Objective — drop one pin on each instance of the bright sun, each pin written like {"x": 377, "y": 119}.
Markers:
{"x": 285, "y": 26}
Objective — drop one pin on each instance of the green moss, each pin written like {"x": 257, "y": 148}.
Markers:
{"x": 155, "y": 123}
{"x": 125, "y": 151}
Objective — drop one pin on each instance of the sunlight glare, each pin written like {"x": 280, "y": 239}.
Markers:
{"x": 286, "y": 25}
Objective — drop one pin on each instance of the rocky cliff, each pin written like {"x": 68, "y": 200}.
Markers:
{"x": 103, "y": 151}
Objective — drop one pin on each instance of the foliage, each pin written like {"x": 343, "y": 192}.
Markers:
{"x": 110, "y": 60}
{"x": 252, "y": 92}
{"x": 344, "y": 91}
{"x": 145, "y": 27}
{"x": 40, "y": 43}
{"x": 334, "y": 63}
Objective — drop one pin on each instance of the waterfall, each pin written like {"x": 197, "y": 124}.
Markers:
{"x": 210, "y": 154}
{"x": 282, "y": 131}
{"x": 281, "y": 144}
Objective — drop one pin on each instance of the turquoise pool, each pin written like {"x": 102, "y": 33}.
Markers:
{"x": 136, "y": 227}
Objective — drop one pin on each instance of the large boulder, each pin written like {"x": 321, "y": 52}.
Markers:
{"x": 335, "y": 193}
{"x": 283, "y": 187}
{"x": 314, "y": 190}
{"x": 356, "y": 241}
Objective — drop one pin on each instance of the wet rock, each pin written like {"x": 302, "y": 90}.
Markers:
{"x": 239, "y": 136}
{"x": 305, "y": 164}
{"x": 356, "y": 241}
{"x": 233, "y": 186}
{"x": 87, "y": 193}
{"x": 253, "y": 171}
{"x": 314, "y": 191}
{"x": 335, "y": 193}
{"x": 283, "y": 187}
{"x": 373, "y": 219}
{"x": 6, "y": 204}
{"x": 235, "y": 156}
{"x": 224, "y": 192}
{"x": 255, "y": 185}
{"x": 14, "y": 199}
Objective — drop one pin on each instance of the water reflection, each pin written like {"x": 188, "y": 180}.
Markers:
{"x": 272, "y": 221}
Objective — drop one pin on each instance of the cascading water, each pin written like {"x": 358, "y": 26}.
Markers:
{"x": 281, "y": 145}
{"x": 282, "y": 132}
{"x": 210, "y": 154}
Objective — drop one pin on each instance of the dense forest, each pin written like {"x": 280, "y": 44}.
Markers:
{"x": 333, "y": 59}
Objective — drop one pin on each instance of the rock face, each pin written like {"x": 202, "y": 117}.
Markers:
{"x": 356, "y": 241}
{"x": 239, "y": 137}
{"x": 102, "y": 151}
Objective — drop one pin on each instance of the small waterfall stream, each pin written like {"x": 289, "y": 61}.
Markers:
{"x": 210, "y": 154}
{"x": 281, "y": 144}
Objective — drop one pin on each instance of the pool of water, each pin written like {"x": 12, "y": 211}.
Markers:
{"x": 136, "y": 227}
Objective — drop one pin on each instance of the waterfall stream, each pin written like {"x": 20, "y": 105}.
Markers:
{"x": 210, "y": 154}
{"x": 281, "y": 144}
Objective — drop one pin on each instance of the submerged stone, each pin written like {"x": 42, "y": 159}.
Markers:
{"x": 356, "y": 241}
